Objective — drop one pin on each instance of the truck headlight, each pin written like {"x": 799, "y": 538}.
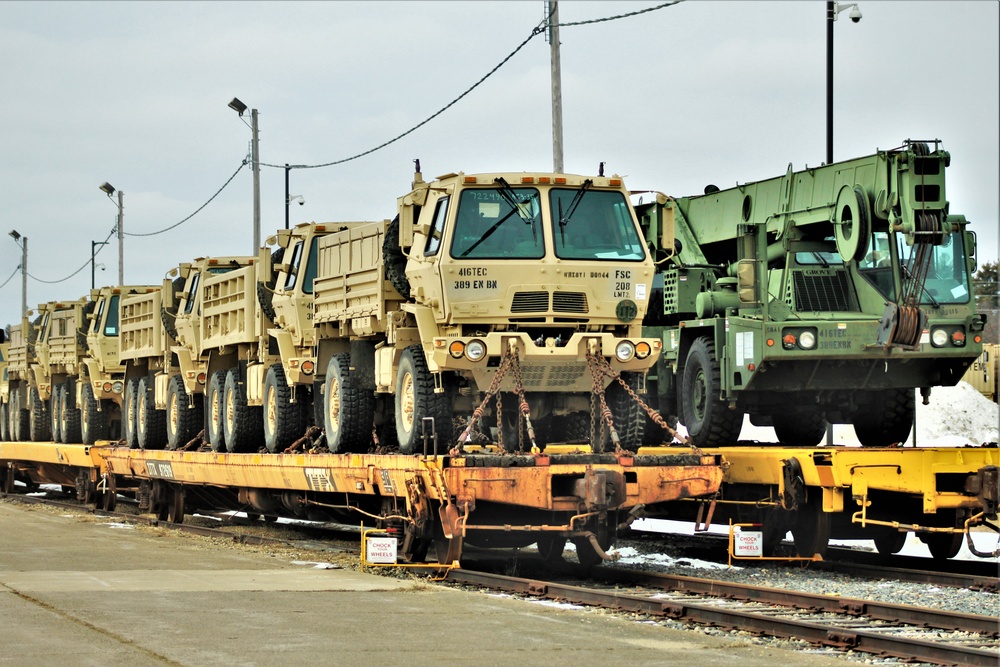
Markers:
{"x": 624, "y": 350}
{"x": 939, "y": 338}
{"x": 117, "y": 386}
{"x": 475, "y": 350}
{"x": 807, "y": 340}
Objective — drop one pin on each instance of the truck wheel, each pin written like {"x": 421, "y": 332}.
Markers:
{"x": 884, "y": 418}
{"x": 39, "y": 426}
{"x": 241, "y": 423}
{"x": 93, "y": 422}
{"x": 184, "y": 414}
{"x": 69, "y": 413}
{"x": 416, "y": 400}
{"x": 55, "y": 413}
{"x": 4, "y": 422}
{"x": 708, "y": 419}
{"x": 803, "y": 428}
{"x": 628, "y": 415}
{"x": 284, "y": 421}
{"x": 151, "y": 429}
{"x": 130, "y": 414}
{"x": 19, "y": 417}
{"x": 214, "y": 411}
{"x": 348, "y": 411}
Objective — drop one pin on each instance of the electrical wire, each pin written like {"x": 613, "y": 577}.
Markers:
{"x": 537, "y": 30}
{"x": 11, "y": 276}
{"x": 197, "y": 210}
{"x": 62, "y": 280}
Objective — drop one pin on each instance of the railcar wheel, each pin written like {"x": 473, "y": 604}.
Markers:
{"x": 214, "y": 411}
{"x": 242, "y": 423}
{"x": 184, "y": 414}
{"x": 69, "y": 413}
{"x": 8, "y": 480}
{"x": 811, "y": 531}
{"x": 39, "y": 415}
{"x": 551, "y": 547}
{"x": 175, "y": 512}
{"x": 943, "y": 545}
{"x": 55, "y": 405}
{"x": 806, "y": 429}
{"x": 884, "y": 418}
{"x": 708, "y": 419}
{"x": 93, "y": 421}
{"x": 890, "y": 543}
{"x": 416, "y": 400}
{"x": 348, "y": 410}
{"x": 107, "y": 499}
{"x": 151, "y": 428}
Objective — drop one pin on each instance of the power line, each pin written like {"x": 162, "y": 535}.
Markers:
{"x": 197, "y": 210}
{"x": 11, "y": 276}
{"x": 537, "y": 30}
{"x": 62, "y": 280}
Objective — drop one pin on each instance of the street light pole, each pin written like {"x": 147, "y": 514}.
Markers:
{"x": 236, "y": 105}
{"x": 287, "y": 201}
{"x": 109, "y": 190}
{"x": 832, "y": 10}
{"x": 556, "y": 76}
{"x": 23, "y": 242}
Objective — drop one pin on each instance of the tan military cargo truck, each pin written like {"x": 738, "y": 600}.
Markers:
{"x": 529, "y": 285}
{"x": 4, "y": 389}
{"x": 19, "y": 385}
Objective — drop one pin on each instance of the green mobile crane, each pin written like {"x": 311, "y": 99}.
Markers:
{"x": 826, "y": 295}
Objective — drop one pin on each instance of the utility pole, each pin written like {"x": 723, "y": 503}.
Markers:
{"x": 121, "y": 238}
{"x": 256, "y": 182}
{"x": 557, "y": 123}
{"x": 24, "y": 275}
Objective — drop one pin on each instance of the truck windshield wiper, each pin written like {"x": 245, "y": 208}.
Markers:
{"x": 564, "y": 219}
{"x": 507, "y": 193}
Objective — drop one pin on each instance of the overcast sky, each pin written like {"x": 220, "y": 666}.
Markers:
{"x": 136, "y": 94}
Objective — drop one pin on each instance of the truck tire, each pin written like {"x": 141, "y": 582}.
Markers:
{"x": 799, "y": 428}
{"x": 184, "y": 414}
{"x": 395, "y": 260}
{"x": 4, "y": 422}
{"x": 55, "y": 410}
{"x": 884, "y": 418}
{"x": 416, "y": 400}
{"x": 708, "y": 419}
{"x": 19, "y": 417}
{"x": 242, "y": 423}
{"x": 39, "y": 427}
{"x": 69, "y": 413}
{"x": 284, "y": 421}
{"x": 130, "y": 414}
{"x": 214, "y": 411}
{"x": 348, "y": 410}
{"x": 151, "y": 428}
{"x": 93, "y": 421}
{"x": 628, "y": 415}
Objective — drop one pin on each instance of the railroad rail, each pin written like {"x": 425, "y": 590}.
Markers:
{"x": 909, "y": 633}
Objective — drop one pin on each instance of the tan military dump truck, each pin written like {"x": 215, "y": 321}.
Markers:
{"x": 531, "y": 286}
{"x": 4, "y": 389}
{"x": 166, "y": 366}
{"x": 19, "y": 392}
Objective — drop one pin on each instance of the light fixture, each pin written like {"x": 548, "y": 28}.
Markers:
{"x": 237, "y": 106}
{"x": 108, "y": 188}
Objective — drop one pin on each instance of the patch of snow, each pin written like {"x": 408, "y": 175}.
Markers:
{"x": 631, "y": 556}
{"x": 119, "y": 526}
{"x": 317, "y": 565}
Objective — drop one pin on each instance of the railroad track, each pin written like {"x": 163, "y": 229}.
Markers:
{"x": 974, "y": 575}
{"x": 909, "y": 633}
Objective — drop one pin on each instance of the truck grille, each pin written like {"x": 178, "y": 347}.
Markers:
{"x": 822, "y": 293}
{"x": 530, "y": 302}
{"x": 569, "y": 302}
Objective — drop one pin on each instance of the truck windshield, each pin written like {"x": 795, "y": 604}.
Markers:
{"x": 594, "y": 225}
{"x": 111, "y": 324}
{"x": 947, "y": 277}
{"x": 494, "y": 223}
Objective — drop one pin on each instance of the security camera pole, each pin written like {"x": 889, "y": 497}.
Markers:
{"x": 832, "y": 9}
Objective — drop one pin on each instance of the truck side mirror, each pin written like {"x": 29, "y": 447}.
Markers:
{"x": 746, "y": 277}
